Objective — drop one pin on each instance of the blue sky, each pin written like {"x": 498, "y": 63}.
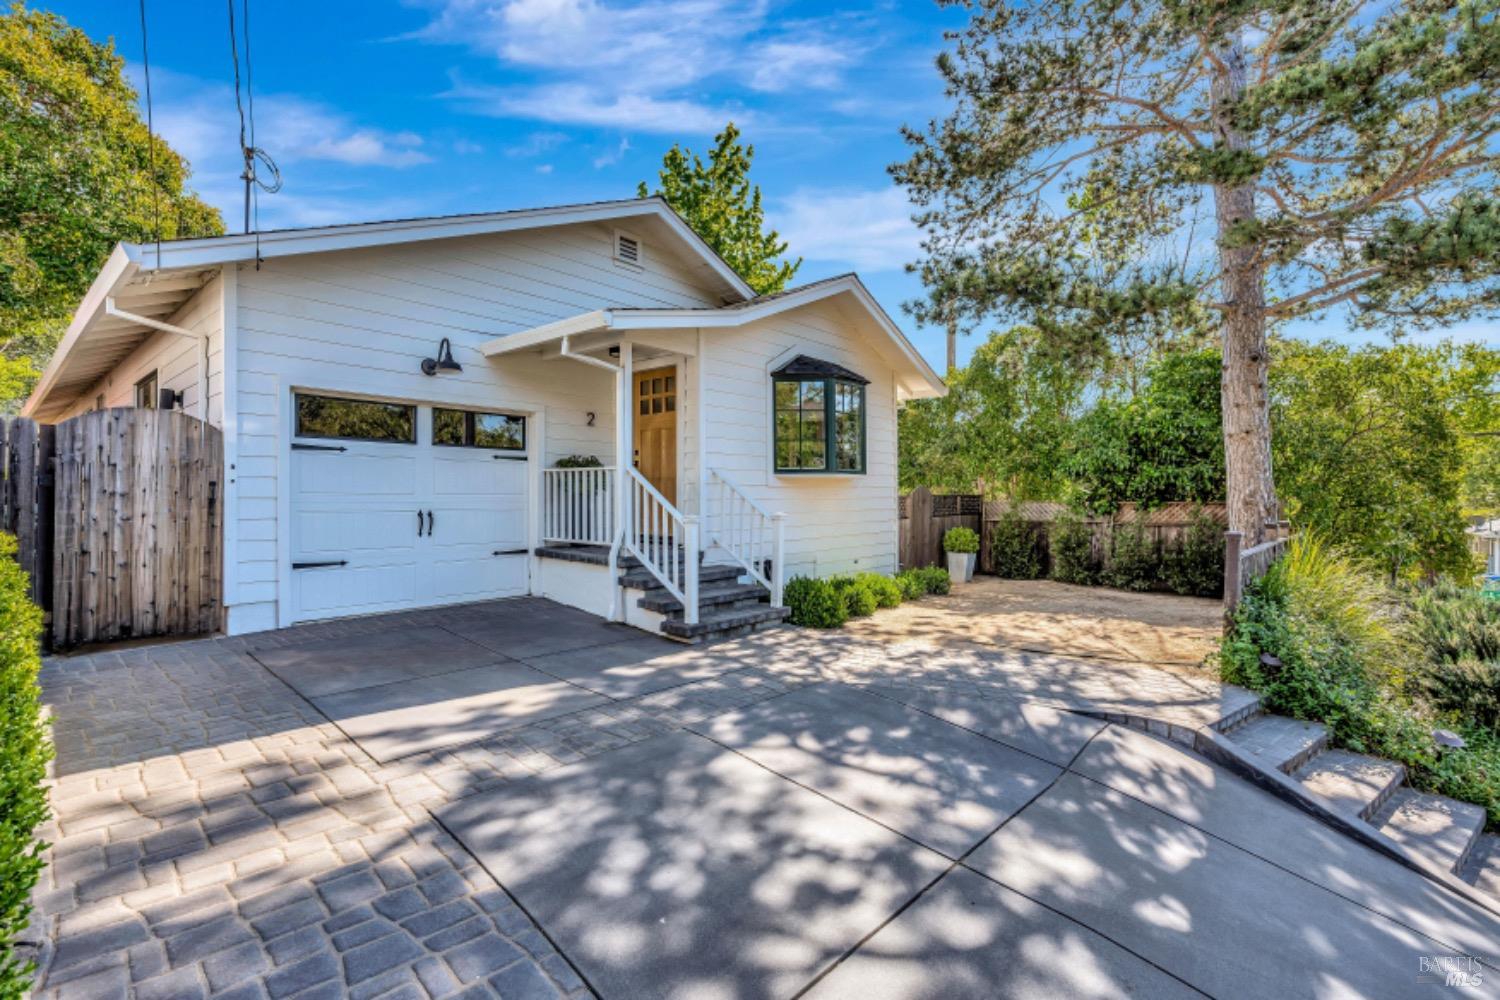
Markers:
{"x": 382, "y": 109}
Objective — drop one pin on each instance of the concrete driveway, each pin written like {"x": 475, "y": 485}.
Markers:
{"x": 515, "y": 800}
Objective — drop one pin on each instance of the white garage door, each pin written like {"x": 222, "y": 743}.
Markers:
{"x": 404, "y": 523}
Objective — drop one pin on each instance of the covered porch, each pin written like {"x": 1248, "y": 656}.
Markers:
{"x": 660, "y": 540}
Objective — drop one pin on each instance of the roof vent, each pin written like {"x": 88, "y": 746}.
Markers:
{"x": 627, "y": 249}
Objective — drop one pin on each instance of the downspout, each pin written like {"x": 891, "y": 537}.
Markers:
{"x": 110, "y": 309}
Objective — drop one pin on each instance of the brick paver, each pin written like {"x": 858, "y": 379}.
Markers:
{"x": 215, "y": 836}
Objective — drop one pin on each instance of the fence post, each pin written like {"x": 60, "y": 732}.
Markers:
{"x": 1232, "y": 578}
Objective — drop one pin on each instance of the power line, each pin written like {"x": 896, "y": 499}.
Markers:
{"x": 252, "y": 155}
{"x": 151, "y": 138}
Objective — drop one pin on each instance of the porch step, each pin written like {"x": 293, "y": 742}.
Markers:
{"x": 1351, "y": 783}
{"x": 1483, "y": 868}
{"x": 721, "y": 624}
{"x": 1438, "y": 828}
{"x": 1283, "y": 743}
{"x": 710, "y": 596}
{"x": 642, "y": 579}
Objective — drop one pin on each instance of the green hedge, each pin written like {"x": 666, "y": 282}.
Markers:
{"x": 1015, "y": 549}
{"x": 859, "y": 599}
{"x": 24, "y": 752}
{"x": 814, "y": 603}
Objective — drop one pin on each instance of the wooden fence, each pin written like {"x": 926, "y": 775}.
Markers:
{"x": 1164, "y": 526}
{"x": 118, "y": 516}
{"x": 1243, "y": 566}
{"x": 26, "y": 499}
{"x": 923, "y": 518}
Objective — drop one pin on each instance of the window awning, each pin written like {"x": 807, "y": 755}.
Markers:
{"x": 803, "y": 366}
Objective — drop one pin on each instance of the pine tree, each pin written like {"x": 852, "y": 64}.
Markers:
{"x": 1299, "y": 155}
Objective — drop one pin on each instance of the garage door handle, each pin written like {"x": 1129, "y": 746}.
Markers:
{"x": 429, "y": 524}
{"x": 419, "y": 524}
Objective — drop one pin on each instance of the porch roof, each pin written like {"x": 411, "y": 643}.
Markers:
{"x": 915, "y": 377}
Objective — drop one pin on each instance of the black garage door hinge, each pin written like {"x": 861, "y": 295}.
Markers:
{"x": 510, "y": 552}
{"x": 298, "y": 446}
{"x": 315, "y": 565}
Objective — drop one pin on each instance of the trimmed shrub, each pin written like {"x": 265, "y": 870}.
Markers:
{"x": 24, "y": 752}
{"x": 1015, "y": 550}
{"x": 859, "y": 599}
{"x": 814, "y": 603}
{"x": 886, "y": 590}
{"x": 1133, "y": 564}
{"x": 1195, "y": 564}
{"x": 1071, "y": 542}
{"x": 961, "y": 540}
{"x": 935, "y": 579}
{"x": 911, "y": 584}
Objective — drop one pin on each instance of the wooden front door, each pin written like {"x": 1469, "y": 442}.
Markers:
{"x": 656, "y": 429}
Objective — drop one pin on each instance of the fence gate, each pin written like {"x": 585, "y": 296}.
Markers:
{"x": 923, "y": 518}
{"x": 137, "y": 539}
{"x": 26, "y": 499}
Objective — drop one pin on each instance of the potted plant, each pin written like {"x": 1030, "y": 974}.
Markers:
{"x": 962, "y": 546}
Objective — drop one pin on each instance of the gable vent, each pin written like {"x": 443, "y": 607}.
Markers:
{"x": 627, "y": 249}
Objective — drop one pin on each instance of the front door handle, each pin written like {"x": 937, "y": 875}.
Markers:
{"x": 429, "y": 524}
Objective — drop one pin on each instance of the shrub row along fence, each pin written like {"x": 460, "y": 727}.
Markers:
{"x": 119, "y": 522}
{"x": 1163, "y": 527}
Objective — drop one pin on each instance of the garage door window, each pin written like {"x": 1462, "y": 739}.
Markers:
{"x": 469, "y": 429}
{"x": 357, "y": 419}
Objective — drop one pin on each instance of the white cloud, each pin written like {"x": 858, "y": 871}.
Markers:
{"x": 537, "y": 143}
{"x": 636, "y": 64}
{"x": 465, "y": 147}
{"x": 863, "y": 230}
{"x": 579, "y": 104}
{"x": 544, "y": 168}
{"x": 788, "y": 65}
{"x": 612, "y": 156}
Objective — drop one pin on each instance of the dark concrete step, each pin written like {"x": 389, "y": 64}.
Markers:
{"x": 643, "y": 579}
{"x": 1483, "y": 868}
{"x": 1435, "y": 827}
{"x": 709, "y": 596}
{"x": 1280, "y": 742}
{"x": 1352, "y": 784}
{"x": 732, "y": 621}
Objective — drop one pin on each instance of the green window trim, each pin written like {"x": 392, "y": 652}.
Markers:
{"x": 835, "y": 404}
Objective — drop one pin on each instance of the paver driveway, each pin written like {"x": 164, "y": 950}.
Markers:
{"x": 511, "y": 799}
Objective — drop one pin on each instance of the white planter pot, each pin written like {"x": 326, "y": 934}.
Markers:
{"x": 960, "y": 567}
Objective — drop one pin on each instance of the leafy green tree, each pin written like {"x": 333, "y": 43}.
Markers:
{"x": 719, "y": 202}
{"x": 1004, "y": 426}
{"x": 78, "y": 172}
{"x": 1302, "y": 154}
{"x": 1372, "y": 445}
{"x": 1159, "y": 446}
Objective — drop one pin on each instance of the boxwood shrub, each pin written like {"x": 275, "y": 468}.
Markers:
{"x": 859, "y": 599}
{"x": 814, "y": 603}
{"x": 935, "y": 579}
{"x": 24, "y": 752}
{"x": 911, "y": 584}
{"x": 886, "y": 590}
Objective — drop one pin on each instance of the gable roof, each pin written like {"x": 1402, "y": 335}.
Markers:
{"x": 803, "y": 366}
{"x": 152, "y": 281}
{"x": 915, "y": 376}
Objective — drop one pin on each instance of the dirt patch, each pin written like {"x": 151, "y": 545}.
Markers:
{"x": 1163, "y": 630}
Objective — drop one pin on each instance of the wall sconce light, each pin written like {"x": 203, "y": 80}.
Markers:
{"x": 614, "y": 352}
{"x": 443, "y": 362}
{"x": 168, "y": 399}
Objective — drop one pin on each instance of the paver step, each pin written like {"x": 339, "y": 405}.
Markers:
{"x": 1434, "y": 827}
{"x": 717, "y": 594}
{"x": 643, "y": 579}
{"x": 1351, "y": 783}
{"x": 731, "y": 621}
{"x": 1279, "y": 741}
{"x": 1483, "y": 868}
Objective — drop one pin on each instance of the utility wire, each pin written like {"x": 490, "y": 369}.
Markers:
{"x": 151, "y": 138}
{"x": 252, "y": 154}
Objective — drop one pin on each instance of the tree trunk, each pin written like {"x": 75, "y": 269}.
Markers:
{"x": 952, "y": 349}
{"x": 1250, "y": 489}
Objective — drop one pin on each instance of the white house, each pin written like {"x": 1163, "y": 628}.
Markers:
{"x": 395, "y": 399}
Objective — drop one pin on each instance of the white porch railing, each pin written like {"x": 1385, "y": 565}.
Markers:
{"x": 664, "y": 540}
{"x": 743, "y": 528}
{"x": 578, "y": 505}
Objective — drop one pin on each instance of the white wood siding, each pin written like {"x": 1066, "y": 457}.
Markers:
{"x": 174, "y": 358}
{"x": 835, "y": 523}
{"x": 360, "y": 322}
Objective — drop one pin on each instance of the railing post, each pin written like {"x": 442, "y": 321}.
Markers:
{"x": 1233, "y": 579}
{"x": 690, "y": 569}
{"x": 778, "y": 560}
